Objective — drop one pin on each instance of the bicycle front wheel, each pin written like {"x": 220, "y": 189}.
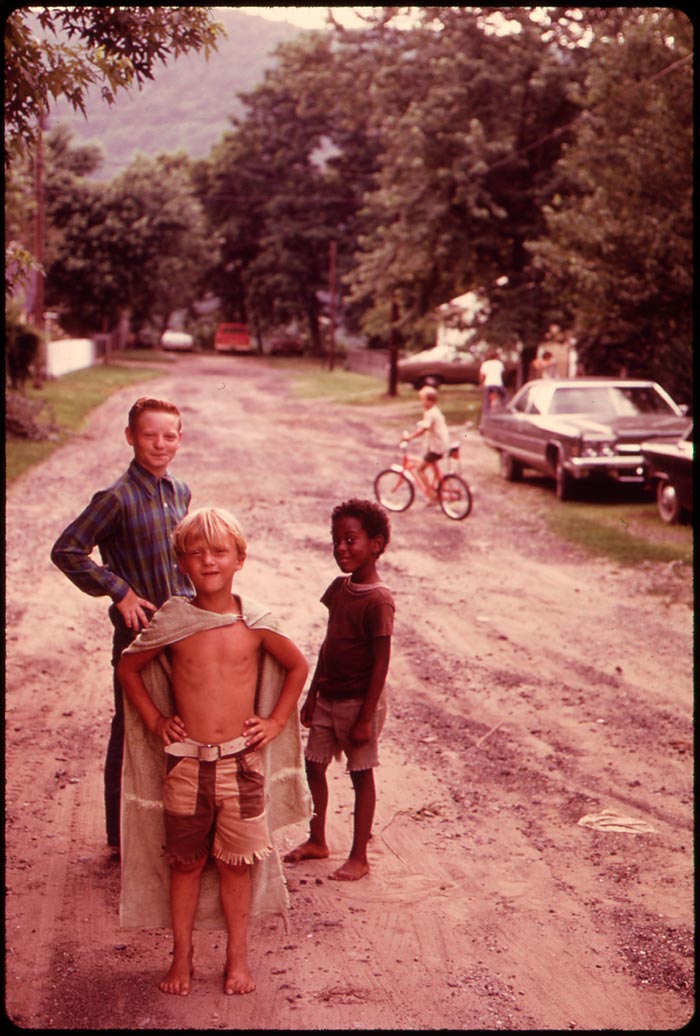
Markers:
{"x": 394, "y": 490}
{"x": 455, "y": 497}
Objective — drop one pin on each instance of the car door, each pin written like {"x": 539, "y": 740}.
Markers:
{"x": 533, "y": 428}
{"x": 505, "y": 428}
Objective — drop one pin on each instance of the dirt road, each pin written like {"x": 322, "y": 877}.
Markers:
{"x": 530, "y": 687}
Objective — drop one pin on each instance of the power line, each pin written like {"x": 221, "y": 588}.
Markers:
{"x": 589, "y": 111}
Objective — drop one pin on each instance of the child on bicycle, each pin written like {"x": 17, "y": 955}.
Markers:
{"x": 433, "y": 424}
{"x": 345, "y": 705}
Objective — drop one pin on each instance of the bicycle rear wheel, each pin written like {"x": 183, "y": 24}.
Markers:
{"x": 455, "y": 497}
{"x": 394, "y": 490}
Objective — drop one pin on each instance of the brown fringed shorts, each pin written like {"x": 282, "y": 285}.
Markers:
{"x": 215, "y": 808}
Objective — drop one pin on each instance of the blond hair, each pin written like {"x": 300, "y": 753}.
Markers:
{"x": 214, "y": 525}
{"x": 428, "y": 392}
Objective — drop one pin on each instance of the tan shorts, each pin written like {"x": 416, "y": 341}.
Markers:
{"x": 215, "y": 809}
{"x": 332, "y": 721}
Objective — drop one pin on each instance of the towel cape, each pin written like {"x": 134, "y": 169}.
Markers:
{"x": 145, "y": 891}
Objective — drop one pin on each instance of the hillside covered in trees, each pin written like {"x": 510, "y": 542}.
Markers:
{"x": 188, "y": 105}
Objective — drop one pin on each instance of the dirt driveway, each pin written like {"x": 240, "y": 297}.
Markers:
{"x": 530, "y": 687}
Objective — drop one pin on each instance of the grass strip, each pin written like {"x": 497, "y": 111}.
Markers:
{"x": 625, "y": 534}
{"x": 459, "y": 403}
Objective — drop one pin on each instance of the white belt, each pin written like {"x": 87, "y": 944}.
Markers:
{"x": 207, "y": 753}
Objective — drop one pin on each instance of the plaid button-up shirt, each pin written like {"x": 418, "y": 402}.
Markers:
{"x": 131, "y": 523}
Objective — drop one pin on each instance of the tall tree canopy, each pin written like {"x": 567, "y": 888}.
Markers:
{"x": 467, "y": 116}
{"x": 139, "y": 243}
{"x": 289, "y": 180}
{"x": 618, "y": 244}
{"x": 425, "y": 153}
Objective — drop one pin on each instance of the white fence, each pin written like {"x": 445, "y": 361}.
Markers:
{"x": 69, "y": 354}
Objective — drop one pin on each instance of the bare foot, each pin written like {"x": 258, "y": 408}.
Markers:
{"x": 238, "y": 980}
{"x": 352, "y": 870}
{"x": 307, "y": 851}
{"x": 177, "y": 981}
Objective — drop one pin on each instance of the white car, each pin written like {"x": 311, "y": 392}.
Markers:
{"x": 176, "y": 340}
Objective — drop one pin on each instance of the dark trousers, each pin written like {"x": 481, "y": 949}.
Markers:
{"x": 115, "y": 748}
{"x": 499, "y": 390}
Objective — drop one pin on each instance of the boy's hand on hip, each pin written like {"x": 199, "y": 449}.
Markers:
{"x": 132, "y": 610}
{"x": 170, "y": 729}
{"x": 261, "y": 732}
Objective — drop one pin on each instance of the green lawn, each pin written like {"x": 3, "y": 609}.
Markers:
{"x": 625, "y": 532}
{"x": 459, "y": 403}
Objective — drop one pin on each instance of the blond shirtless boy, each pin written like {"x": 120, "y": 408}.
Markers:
{"x": 214, "y": 676}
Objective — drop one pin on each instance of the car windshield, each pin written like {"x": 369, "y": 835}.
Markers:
{"x": 620, "y": 400}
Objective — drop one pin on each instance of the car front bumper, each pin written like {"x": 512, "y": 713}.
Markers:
{"x": 624, "y": 469}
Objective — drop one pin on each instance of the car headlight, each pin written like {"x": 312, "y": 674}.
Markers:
{"x": 597, "y": 448}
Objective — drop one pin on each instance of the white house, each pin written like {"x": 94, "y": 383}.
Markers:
{"x": 461, "y": 325}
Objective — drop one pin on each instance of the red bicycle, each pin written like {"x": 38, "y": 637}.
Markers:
{"x": 395, "y": 487}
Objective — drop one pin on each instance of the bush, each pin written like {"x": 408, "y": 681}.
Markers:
{"x": 23, "y": 419}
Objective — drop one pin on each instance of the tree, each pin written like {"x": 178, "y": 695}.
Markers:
{"x": 139, "y": 243}
{"x": 618, "y": 245}
{"x": 285, "y": 183}
{"x": 76, "y": 47}
{"x": 470, "y": 120}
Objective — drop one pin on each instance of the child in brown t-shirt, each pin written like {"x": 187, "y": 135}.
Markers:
{"x": 345, "y": 705}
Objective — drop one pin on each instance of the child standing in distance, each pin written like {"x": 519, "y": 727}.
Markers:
{"x": 491, "y": 379}
{"x": 434, "y": 425}
{"x": 214, "y": 788}
{"x": 131, "y": 523}
{"x": 345, "y": 706}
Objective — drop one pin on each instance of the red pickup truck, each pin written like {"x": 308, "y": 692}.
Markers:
{"x": 232, "y": 338}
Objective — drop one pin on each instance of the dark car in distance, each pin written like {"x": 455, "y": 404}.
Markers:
{"x": 285, "y": 344}
{"x": 445, "y": 364}
{"x": 669, "y": 470}
{"x": 574, "y": 428}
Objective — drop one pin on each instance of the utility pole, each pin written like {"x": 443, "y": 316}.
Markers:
{"x": 331, "y": 292}
{"x": 393, "y": 346}
{"x": 39, "y": 236}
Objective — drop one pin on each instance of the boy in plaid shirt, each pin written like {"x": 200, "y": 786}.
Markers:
{"x": 131, "y": 523}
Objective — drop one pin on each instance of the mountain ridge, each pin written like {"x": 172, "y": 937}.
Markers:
{"x": 189, "y": 104}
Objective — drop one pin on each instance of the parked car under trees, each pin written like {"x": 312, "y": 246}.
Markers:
{"x": 577, "y": 428}
{"x": 448, "y": 365}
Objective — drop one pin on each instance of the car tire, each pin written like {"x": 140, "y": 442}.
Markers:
{"x": 511, "y": 469}
{"x": 668, "y": 501}
{"x": 563, "y": 480}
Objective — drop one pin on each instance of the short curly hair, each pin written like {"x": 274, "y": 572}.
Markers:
{"x": 372, "y": 517}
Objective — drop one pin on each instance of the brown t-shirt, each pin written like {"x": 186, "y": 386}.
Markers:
{"x": 357, "y": 615}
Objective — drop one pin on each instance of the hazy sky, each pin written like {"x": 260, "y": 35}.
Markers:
{"x": 306, "y": 17}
